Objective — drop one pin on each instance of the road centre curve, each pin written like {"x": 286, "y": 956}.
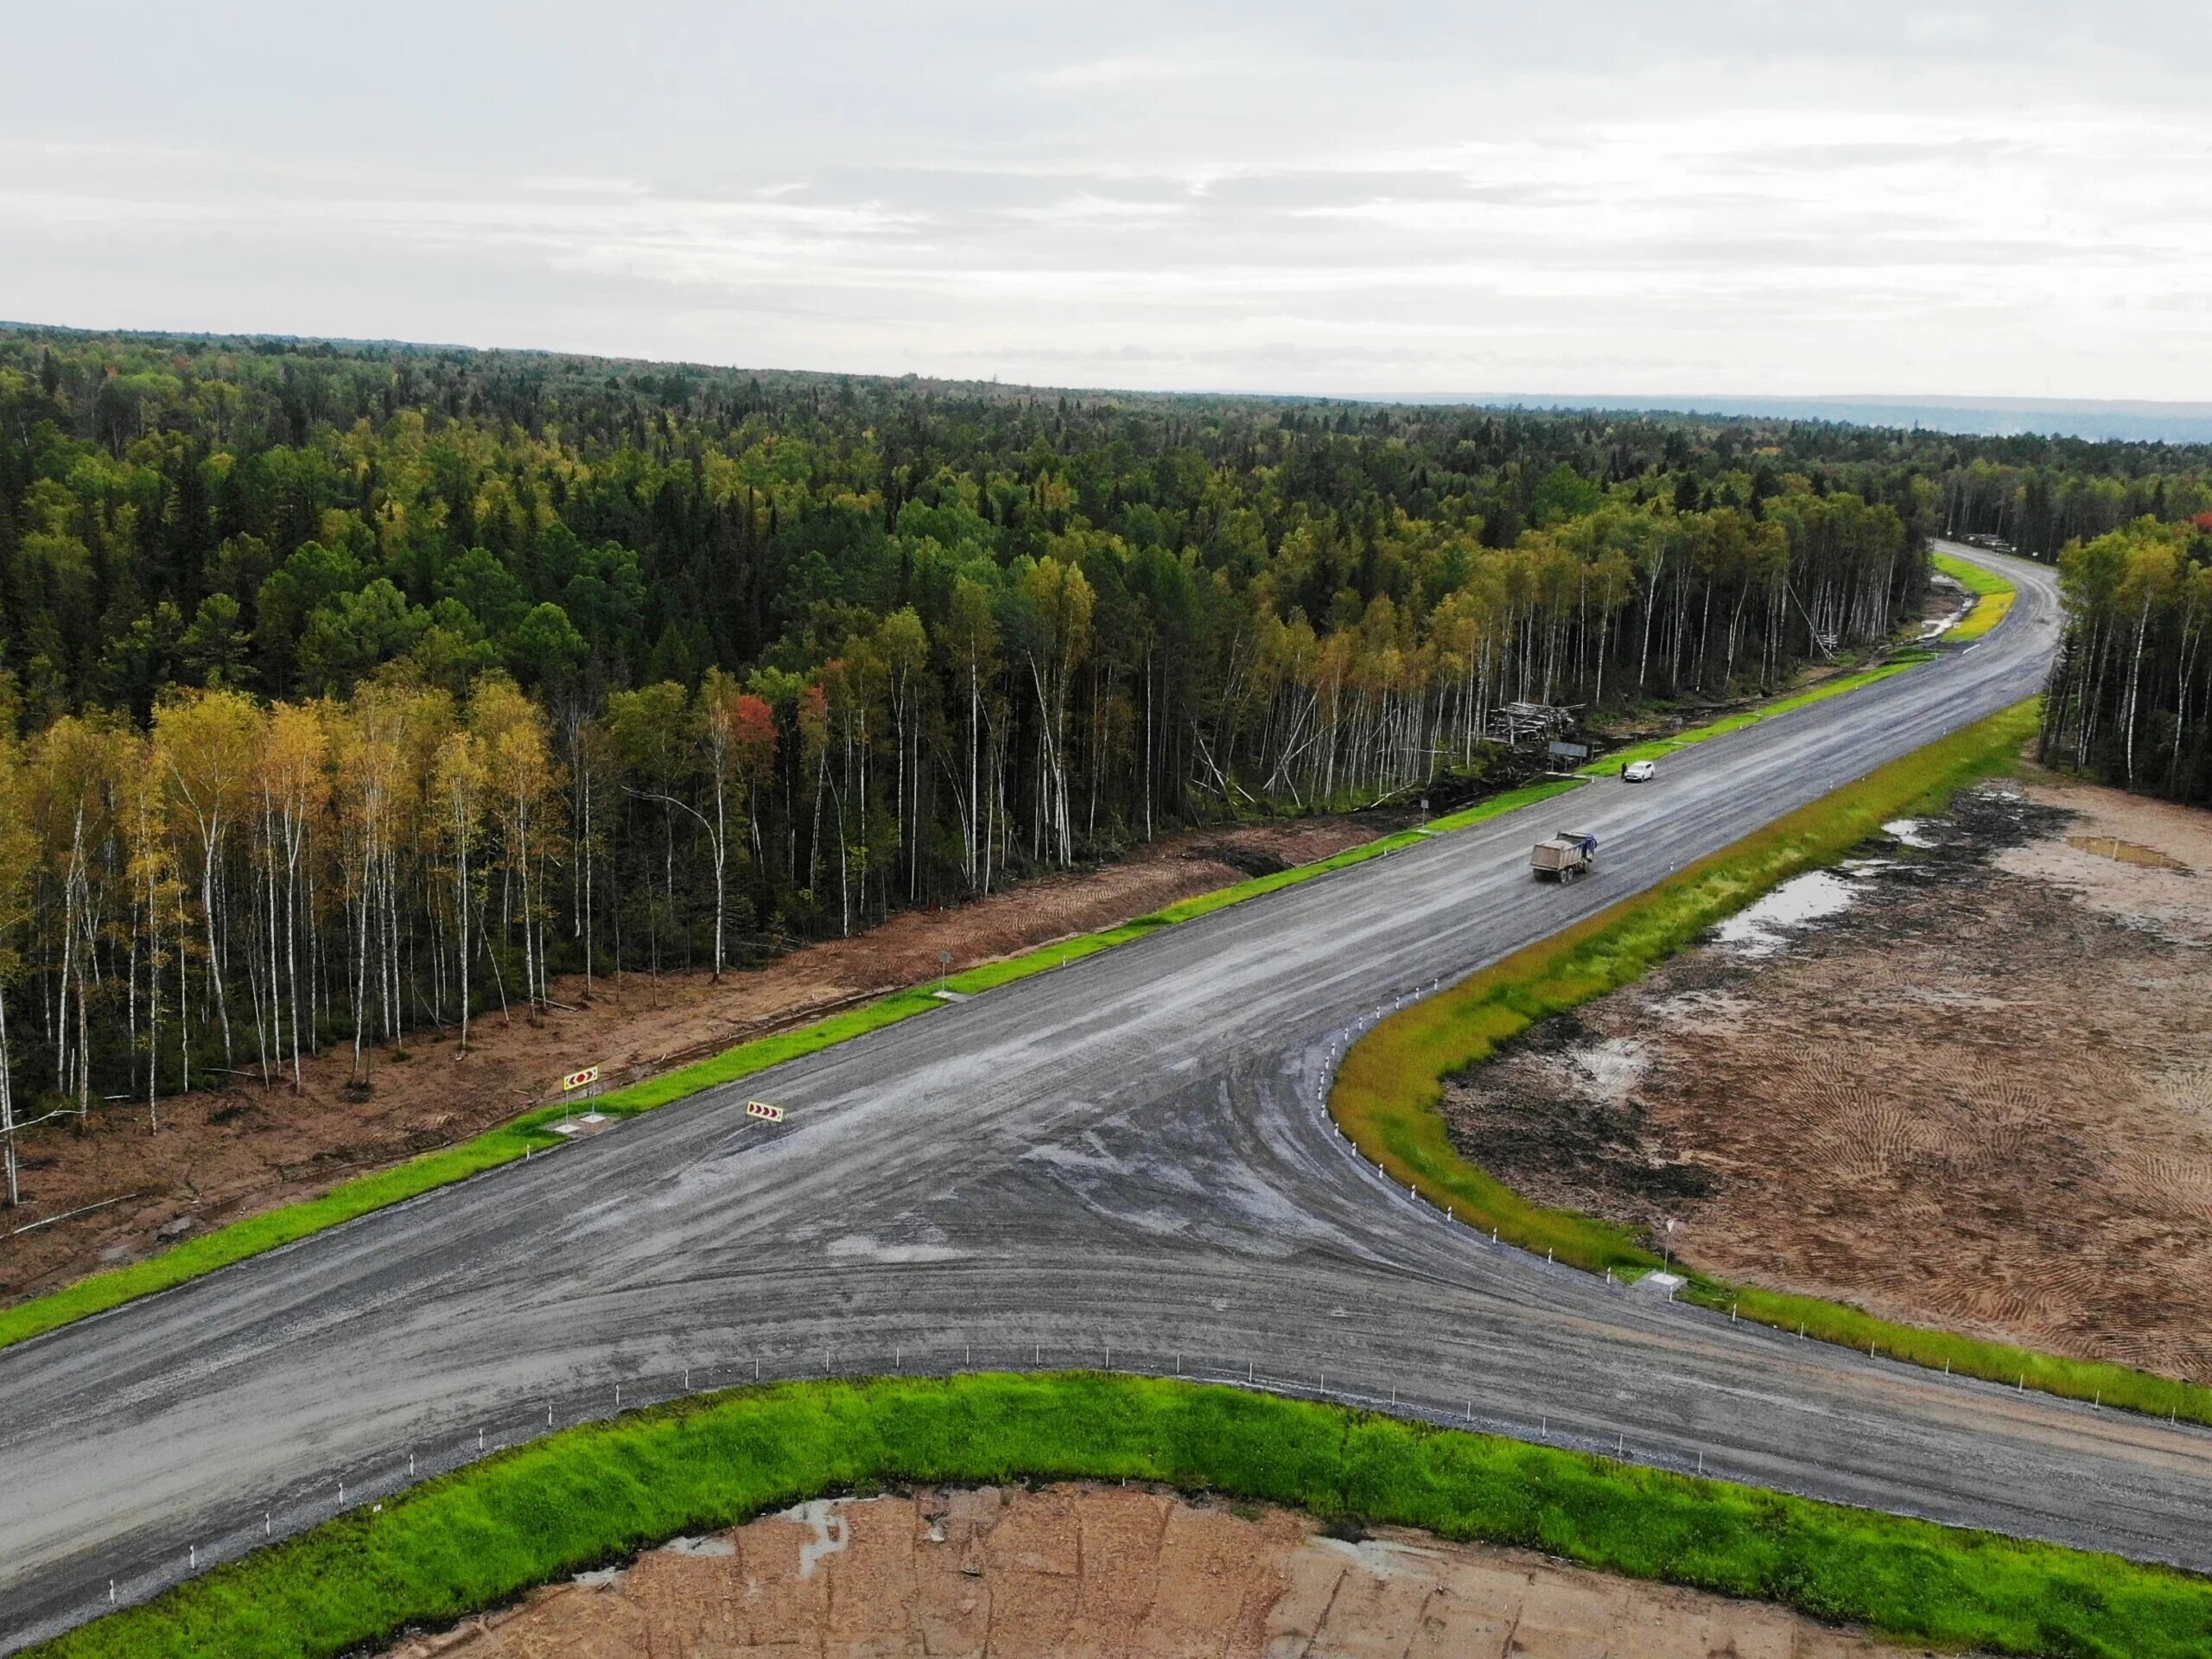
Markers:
{"x": 1123, "y": 1161}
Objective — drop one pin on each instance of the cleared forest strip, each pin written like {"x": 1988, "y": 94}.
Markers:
{"x": 1992, "y": 595}
{"x": 531, "y": 1132}
{"x": 1388, "y": 1094}
{"x": 599, "y": 1493}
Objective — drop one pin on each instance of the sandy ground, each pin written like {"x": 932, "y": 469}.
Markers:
{"x": 221, "y": 1155}
{"x": 1078, "y": 1570}
{"x": 1975, "y": 1094}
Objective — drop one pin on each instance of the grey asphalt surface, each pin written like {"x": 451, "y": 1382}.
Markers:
{"x": 1124, "y": 1162}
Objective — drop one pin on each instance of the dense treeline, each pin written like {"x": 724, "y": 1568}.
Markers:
{"x": 2075, "y": 491}
{"x": 2130, "y": 692}
{"x": 355, "y": 688}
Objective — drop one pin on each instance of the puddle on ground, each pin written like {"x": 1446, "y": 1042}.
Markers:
{"x": 1910, "y": 832}
{"x": 831, "y": 1531}
{"x": 2126, "y": 852}
{"x": 1764, "y": 928}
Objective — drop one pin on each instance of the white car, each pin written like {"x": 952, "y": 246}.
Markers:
{"x": 1639, "y": 771}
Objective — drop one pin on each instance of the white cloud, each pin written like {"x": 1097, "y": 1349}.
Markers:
{"x": 1727, "y": 197}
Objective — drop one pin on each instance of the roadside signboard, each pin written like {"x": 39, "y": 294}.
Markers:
{"x": 763, "y": 1109}
{"x": 576, "y": 1080}
{"x": 1570, "y": 751}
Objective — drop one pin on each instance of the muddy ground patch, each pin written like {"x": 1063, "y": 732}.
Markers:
{"x": 1962, "y": 1080}
{"x": 1117, "y": 1573}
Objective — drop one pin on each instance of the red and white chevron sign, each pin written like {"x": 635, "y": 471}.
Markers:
{"x": 762, "y": 1108}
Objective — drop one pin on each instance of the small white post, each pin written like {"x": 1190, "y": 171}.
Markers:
{"x": 410, "y": 1466}
{"x": 195, "y": 1558}
{"x": 341, "y": 1494}
{"x": 480, "y": 1441}
{"x": 268, "y": 1520}
{"x": 110, "y": 1592}
{"x": 618, "y": 1396}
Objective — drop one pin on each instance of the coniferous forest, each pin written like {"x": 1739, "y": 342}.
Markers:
{"x": 350, "y": 688}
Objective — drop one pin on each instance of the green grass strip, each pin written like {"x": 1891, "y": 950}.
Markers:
{"x": 1659, "y": 746}
{"x": 598, "y": 1494}
{"x": 532, "y": 1131}
{"x": 1993, "y": 595}
{"x": 1389, "y": 1094}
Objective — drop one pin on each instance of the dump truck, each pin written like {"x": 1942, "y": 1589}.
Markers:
{"x": 1565, "y": 855}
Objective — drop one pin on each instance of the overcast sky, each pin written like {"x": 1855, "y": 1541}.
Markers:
{"x": 1615, "y": 198}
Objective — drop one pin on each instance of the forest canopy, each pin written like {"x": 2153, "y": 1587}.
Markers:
{"x": 353, "y": 687}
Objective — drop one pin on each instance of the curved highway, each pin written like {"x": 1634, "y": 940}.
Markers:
{"x": 1120, "y": 1162}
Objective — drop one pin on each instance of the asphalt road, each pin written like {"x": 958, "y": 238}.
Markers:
{"x": 1123, "y": 1162}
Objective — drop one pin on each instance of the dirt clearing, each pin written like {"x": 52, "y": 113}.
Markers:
{"x": 1086, "y": 1570}
{"x": 1961, "y": 1081}
{"x": 221, "y": 1155}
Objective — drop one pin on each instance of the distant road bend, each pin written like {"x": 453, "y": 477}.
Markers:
{"x": 1128, "y": 1153}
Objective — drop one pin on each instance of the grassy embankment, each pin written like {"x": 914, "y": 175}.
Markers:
{"x": 533, "y": 1130}
{"x": 1388, "y": 1094}
{"x": 598, "y": 1493}
{"x": 1992, "y": 595}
